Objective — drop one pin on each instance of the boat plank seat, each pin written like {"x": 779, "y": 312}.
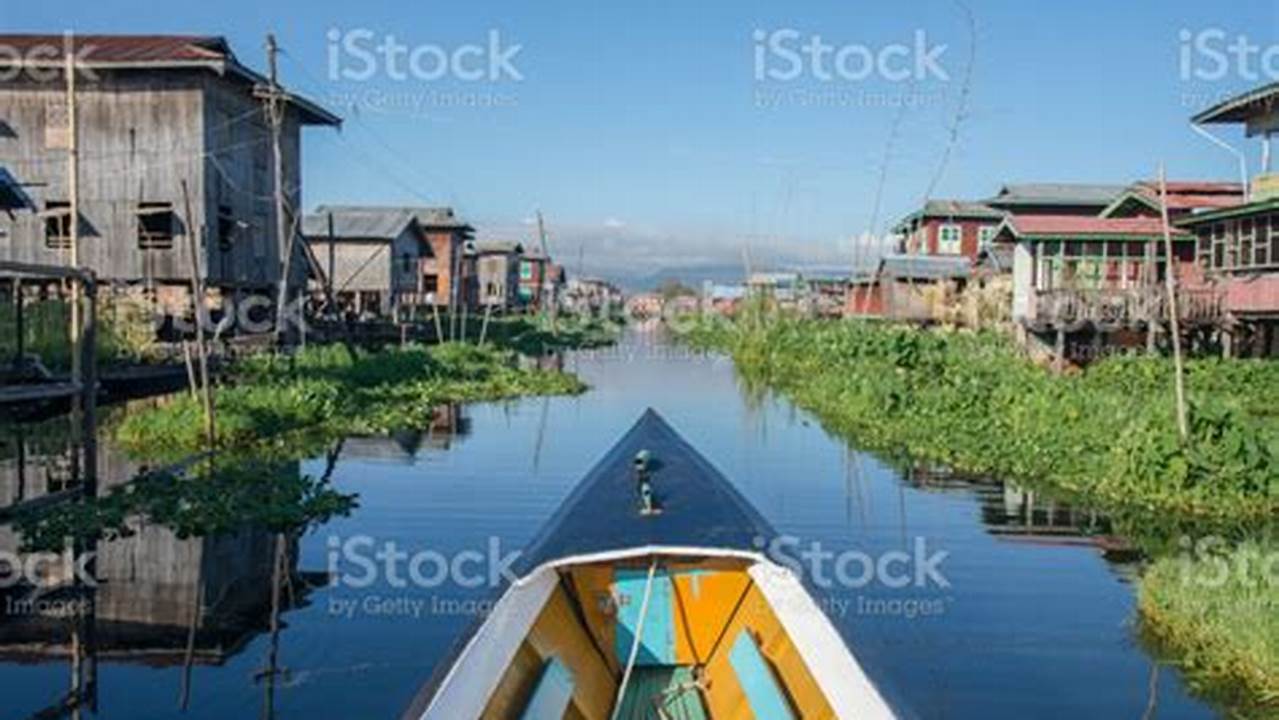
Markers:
{"x": 552, "y": 693}
{"x": 759, "y": 683}
{"x": 670, "y": 687}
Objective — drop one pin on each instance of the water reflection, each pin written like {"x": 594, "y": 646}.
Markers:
{"x": 159, "y": 596}
{"x": 1034, "y": 623}
{"x": 448, "y": 425}
{"x": 1013, "y": 513}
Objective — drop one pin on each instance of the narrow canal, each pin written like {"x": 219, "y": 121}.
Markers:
{"x": 1028, "y": 612}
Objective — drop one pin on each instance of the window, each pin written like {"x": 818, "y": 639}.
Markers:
{"x": 1204, "y": 248}
{"x": 1044, "y": 281}
{"x": 1114, "y": 273}
{"x": 526, "y": 271}
{"x": 1218, "y": 246}
{"x": 155, "y": 225}
{"x": 1089, "y": 273}
{"x": 986, "y": 235}
{"x": 226, "y": 228}
{"x": 948, "y": 239}
{"x": 1247, "y": 230}
{"x": 406, "y": 262}
{"x": 1261, "y": 245}
{"x": 1274, "y": 239}
{"x": 57, "y": 225}
{"x": 431, "y": 284}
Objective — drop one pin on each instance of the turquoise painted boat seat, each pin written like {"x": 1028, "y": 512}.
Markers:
{"x": 669, "y": 686}
{"x": 552, "y": 693}
{"x": 763, "y": 692}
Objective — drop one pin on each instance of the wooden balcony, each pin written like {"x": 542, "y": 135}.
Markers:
{"x": 1116, "y": 309}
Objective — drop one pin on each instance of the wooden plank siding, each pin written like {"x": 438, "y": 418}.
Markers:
{"x": 141, "y": 135}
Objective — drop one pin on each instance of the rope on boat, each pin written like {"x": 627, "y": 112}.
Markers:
{"x": 635, "y": 644}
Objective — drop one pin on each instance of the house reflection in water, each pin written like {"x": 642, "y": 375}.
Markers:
{"x": 1017, "y": 514}
{"x": 448, "y": 424}
{"x": 158, "y": 599}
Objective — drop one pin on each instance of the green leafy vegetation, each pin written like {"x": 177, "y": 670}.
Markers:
{"x": 1216, "y": 616}
{"x": 272, "y": 410}
{"x": 538, "y": 335}
{"x": 125, "y": 331}
{"x": 330, "y": 392}
{"x": 1105, "y": 438}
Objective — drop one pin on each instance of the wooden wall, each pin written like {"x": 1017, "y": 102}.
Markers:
{"x": 141, "y": 134}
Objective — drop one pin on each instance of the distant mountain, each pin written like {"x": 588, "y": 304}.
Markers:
{"x": 694, "y": 276}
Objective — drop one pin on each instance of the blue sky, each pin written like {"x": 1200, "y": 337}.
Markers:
{"x": 636, "y": 126}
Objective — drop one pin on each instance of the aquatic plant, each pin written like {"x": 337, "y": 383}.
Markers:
{"x": 1105, "y": 437}
{"x": 1216, "y": 616}
{"x": 335, "y": 392}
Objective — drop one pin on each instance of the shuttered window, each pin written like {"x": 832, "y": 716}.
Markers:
{"x": 155, "y": 225}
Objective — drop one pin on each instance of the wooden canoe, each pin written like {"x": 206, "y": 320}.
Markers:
{"x": 651, "y": 609}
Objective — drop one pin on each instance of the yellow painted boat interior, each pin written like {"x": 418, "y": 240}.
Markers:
{"x": 710, "y": 647}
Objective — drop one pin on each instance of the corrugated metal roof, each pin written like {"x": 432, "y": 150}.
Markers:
{"x": 488, "y": 247}
{"x": 1242, "y": 210}
{"x": 357, "y": 223}
{"x": 1193, "y": 195}
{"x": 960, "y": 208}
{"x": 1251, "y": 104}
{"x": 926, "y": 267}
{"x": 1074, "y": 225}
{"x": 427, "y": 216}
{"x": 951, "y": 209}
{"x": 118, "y": 48}
{"x": 145, "y": 51}
{"x": 1056, "y": 194}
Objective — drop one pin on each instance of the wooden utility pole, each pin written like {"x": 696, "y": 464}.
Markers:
{"x": 274, "y": 98}
{"x": 1170, "y": 285}
{"x": 484, "y": 327}
{"x": 454, "y": 289}
{"x": 197, "y": 305}
{"x": 547, "y": 298}
{"x": 73, "y": 219}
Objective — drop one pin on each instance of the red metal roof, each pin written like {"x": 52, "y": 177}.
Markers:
{"x": 1197, "y": 187}
{"x": 158, "y": 49}
{"x": 1083, "y": 225}
{"x": 1194, "y": 195}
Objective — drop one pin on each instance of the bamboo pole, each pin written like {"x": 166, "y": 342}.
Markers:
{"x": 1170, "y": 285}
{"x": 484, "y": 327}
{"x": 73, "y": 219}
{"x": 439, "y": 328}
{"x": 197, "y": 304}
{"x": 19, "y": 322}
{"x": 192, "y": 385}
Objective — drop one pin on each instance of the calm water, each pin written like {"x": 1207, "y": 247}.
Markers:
{"x": 1034, "y": 622}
